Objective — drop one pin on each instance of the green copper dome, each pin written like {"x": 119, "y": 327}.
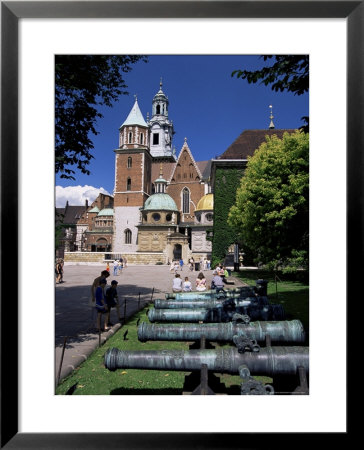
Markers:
{"x": 160, "y": 202}
{"x": 106, "y": 212}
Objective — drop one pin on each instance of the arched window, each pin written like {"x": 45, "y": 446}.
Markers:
{"x": 128, "y": 236}
{"x": 130, "y": 137}
{"x": 130, "y": 162}
{"x": 141, "y": 138}
{"x": 185, "y": 201}
{"x": 158, "y": 109}
{"x": 128, "y": 184}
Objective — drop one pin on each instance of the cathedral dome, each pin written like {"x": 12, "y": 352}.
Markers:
{"x": 160, "y": 202}
{"x": 206, "y": 203}
{"x": 106, "y": 212}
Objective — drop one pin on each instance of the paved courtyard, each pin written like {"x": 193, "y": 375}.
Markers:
{"x": 75, "y": 318}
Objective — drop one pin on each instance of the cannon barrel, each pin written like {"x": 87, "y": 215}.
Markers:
{"x": 240, "y": 292}
{"x": 284, "y": 331}
{"x": 269, "y": 361}
{"x": 218, "y": 314}
{"x": 207, "y": 302}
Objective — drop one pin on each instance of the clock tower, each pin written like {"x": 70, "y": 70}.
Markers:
{"x": 161, "y": 129}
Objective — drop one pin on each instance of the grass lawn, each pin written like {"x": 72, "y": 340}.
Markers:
{"x": 283, "y": 289}
{"x": 92, "y": 378}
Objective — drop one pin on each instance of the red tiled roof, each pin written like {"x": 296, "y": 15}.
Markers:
{"x": 249, "y": 141}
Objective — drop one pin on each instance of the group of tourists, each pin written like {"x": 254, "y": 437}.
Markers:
{"x": 204, "y": 263}
{"x": 186, "y": 286}
{"x": 105, "y": 300}
{"x": 220, "y": 275}
{"x": 118, "y": 265}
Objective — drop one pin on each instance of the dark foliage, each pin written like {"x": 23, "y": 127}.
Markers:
{"x": 82, "y": 84}
{"x": 288, "y": 73}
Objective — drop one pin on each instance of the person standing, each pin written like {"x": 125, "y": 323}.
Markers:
{"x": 58, "y": 271}
{"x": 112, "y": 301}
{"x": 191, "y": 262}
{"x": 104, "y": 274}
{"x": 115, "y": 265}
{"x": 181, "y": 264}
{"x": 100, "y": 305}
{"x": 62, "y": 264}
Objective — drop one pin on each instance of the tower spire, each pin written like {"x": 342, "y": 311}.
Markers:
{"x": 271, "y": 125}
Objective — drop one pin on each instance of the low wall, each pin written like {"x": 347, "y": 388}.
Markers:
{"x": 97, "y": 258}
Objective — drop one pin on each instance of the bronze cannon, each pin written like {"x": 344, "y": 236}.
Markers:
{"x": 281, "y": 331}
{"x": 240, "y": 292}
{"x": 221, "y": 312}
{"x": 208, "y": 302}
{"x": 268, "y": 361}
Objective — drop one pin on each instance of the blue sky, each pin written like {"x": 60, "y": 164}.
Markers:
{"x": 207, "y": 106}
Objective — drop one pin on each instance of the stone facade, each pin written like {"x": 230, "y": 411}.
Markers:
{"x": 125, "y": 236}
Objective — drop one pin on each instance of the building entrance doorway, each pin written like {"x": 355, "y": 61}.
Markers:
{"x": 177, "y": 252}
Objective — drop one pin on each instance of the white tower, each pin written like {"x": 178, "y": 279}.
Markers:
{"x": 161, "y": 128}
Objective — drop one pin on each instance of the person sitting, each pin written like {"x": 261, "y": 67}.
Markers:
{"x": 225, "y": 276}
{"x": 187, "y": 286}
{"x": 177, "y": 283}
{"x": 217, "y": 282}
{"x": 200, "y": 282}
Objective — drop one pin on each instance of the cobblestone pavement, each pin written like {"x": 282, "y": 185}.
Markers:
{"x": 75, "y": 318}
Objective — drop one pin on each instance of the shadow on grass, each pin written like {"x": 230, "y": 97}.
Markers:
{"x": 125, "y": 391}
{"x": 232, "y": 390}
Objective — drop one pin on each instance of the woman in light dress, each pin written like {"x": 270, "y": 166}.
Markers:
{"x": 200, "y": 282}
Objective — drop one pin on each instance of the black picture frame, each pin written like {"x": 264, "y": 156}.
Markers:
{"x": 11, "y": 13}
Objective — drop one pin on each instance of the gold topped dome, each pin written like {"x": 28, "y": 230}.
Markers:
{"x": 206, "y": 203}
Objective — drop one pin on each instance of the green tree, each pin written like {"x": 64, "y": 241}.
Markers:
{"x": 288, "y": 73}
{"x": 82, "y": 84}
{"x": 272, "y": 203}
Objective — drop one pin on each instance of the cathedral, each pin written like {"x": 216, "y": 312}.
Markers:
{"x": 161, "y": 203}
{"x": 162, "y": 206}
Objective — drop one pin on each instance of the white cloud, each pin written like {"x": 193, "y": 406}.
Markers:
{"x": 77, "y": 195}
